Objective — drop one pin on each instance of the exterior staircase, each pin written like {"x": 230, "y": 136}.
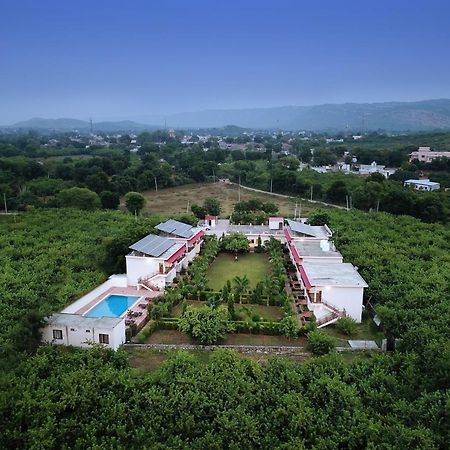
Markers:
{"x": 146, "y": 283}
{"x": 330, "y": 318}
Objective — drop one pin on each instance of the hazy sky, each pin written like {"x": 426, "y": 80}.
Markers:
{"x": 131, "y": 59}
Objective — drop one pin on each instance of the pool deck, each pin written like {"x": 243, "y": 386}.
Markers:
{"x": 147, "y": 298}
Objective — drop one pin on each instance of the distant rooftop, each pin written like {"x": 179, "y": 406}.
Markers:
{"x": 332, "y": 274}
{"x": 424, "y": 182}
{"x": 75, "y": 320}
{"x": 253, "y": 229}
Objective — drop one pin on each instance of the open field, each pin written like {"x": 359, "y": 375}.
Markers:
{"x": 224, "y": 267}
{"x": 147, "y": 359}
{"x": 268, "y": 313}
{"x": 177, "y": 200}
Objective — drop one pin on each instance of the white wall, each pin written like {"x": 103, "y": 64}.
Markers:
{"x": 113, "y": 281}
{"x": 348, "y": 298}
{"x": 84, "y": 336}
{"x": 140, "y": 266}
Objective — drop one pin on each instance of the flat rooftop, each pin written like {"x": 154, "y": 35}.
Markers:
{"x": 253, "y": 229}
{"x": 314, "y": 249}
{"x": 75, "y": 320}
{"x": 332, "y": 274}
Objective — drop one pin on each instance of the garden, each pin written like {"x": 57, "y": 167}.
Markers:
{"x": 225, "y": 290}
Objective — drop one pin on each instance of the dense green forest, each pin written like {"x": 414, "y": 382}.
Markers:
{"x": 31, "y": 176}
{"x": 64, "y": 398}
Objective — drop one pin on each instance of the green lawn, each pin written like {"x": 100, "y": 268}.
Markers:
{"x": 224, "y": 267}
{"x": 269, "y": 313}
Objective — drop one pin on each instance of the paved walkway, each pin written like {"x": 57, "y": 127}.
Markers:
{"x": 287, "y": 196}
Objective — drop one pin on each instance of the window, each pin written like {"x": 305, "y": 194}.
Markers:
{"x": 57, "y": 334}
{"x": 103, "y": 338}
{"x": 88, "y": 331}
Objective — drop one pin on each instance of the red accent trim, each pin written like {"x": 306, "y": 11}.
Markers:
{"x": 194, "y": 239}
{"x": 287, "y": 235}
{"x": 297, "y": 257}
{"x": 177, "y": 254}
{"x": 208, "y": 217}
{"x": 305, "y": 280}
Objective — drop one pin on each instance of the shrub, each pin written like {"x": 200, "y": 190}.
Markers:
{"x": 347, "y": 325}
{"x": 289, "y": 326}
{"x": 206, "y": 324}
{"x": 319, "y": 343}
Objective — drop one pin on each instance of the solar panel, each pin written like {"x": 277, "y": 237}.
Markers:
{"x": 303, "y": 228}
{"x": 176, "y": 228}
{"x": 152, "y": 245}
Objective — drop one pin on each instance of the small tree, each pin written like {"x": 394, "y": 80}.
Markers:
{"x": 241, "y": 285}
{"x": 212, "y": 206}
{"x": 206, "y": 324}
{"x": 77, "y": 197}
{"x": 110, "y": 200}
{"x": 347, "y": 325}
{"x": 319, "y": 343}
{"x": 289, "y": 326}
{"x": 235, "y": 243}
{"x": 319, "y": 218}
{"x": 134, "y": 201}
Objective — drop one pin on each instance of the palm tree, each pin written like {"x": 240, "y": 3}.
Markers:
{"x": 241, "y": 286}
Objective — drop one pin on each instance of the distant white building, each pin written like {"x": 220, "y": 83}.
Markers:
{"x": 422, "y": 185}
{"x": 367, "y": 169}
{"x": 81, "y": 331}
{"x": 426, "y": 155}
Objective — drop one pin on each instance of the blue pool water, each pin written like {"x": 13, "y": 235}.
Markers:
{"x": 112, "y": 306}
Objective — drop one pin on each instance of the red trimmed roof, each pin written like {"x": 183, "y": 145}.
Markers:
{"x": 297, "y": 257}
{"x": 287, "y": 235}
{"x": 196, "y": 237}
{"x": 177, "y": 254}
{"x": 305, "y": 280}
{"x": 208, "y": 217}
{"x": 276, "y": 218}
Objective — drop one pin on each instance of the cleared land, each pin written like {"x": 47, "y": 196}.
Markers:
{"x": 224, "y": 267}
{"x": 367, "y": 330}
{"x": 178, "y": 200}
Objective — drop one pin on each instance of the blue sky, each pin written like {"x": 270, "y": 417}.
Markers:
{"x": 132, "y": 59}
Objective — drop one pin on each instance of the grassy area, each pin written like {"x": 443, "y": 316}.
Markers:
{"x": 177, "y": 200}
{"x": 224, "y": 267}
{"x": 367, "y": 331}
{"x": 272, "y": 313}
{"x": 262, "y": 339}
{"x": 169, "y": 337}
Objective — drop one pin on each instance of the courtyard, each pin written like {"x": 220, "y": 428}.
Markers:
{"x": 255, "y": 265}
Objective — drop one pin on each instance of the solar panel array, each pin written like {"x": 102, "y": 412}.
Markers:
{"x": 299, "y": 227}
{"x": 152, "y": 245}
{"x": 176, "y": 228}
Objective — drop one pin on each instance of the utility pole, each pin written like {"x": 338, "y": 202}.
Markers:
{"x": 239, "y": 190}
{"x": 156, "y": 185}
{"x": 295, "y": 211}
{"x": 311, "y": 193}
{"x": 300, "y": 211}
{"x": 4, "y": 199}
{"x": 346, "y": 201}
{"x": 271, "y": 185}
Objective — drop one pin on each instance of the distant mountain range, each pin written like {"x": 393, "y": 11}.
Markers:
{"x": 426, "y": 115}
{"x": 38, "y": 123}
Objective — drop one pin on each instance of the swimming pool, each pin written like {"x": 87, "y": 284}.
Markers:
{"x": 112, "y": 306}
